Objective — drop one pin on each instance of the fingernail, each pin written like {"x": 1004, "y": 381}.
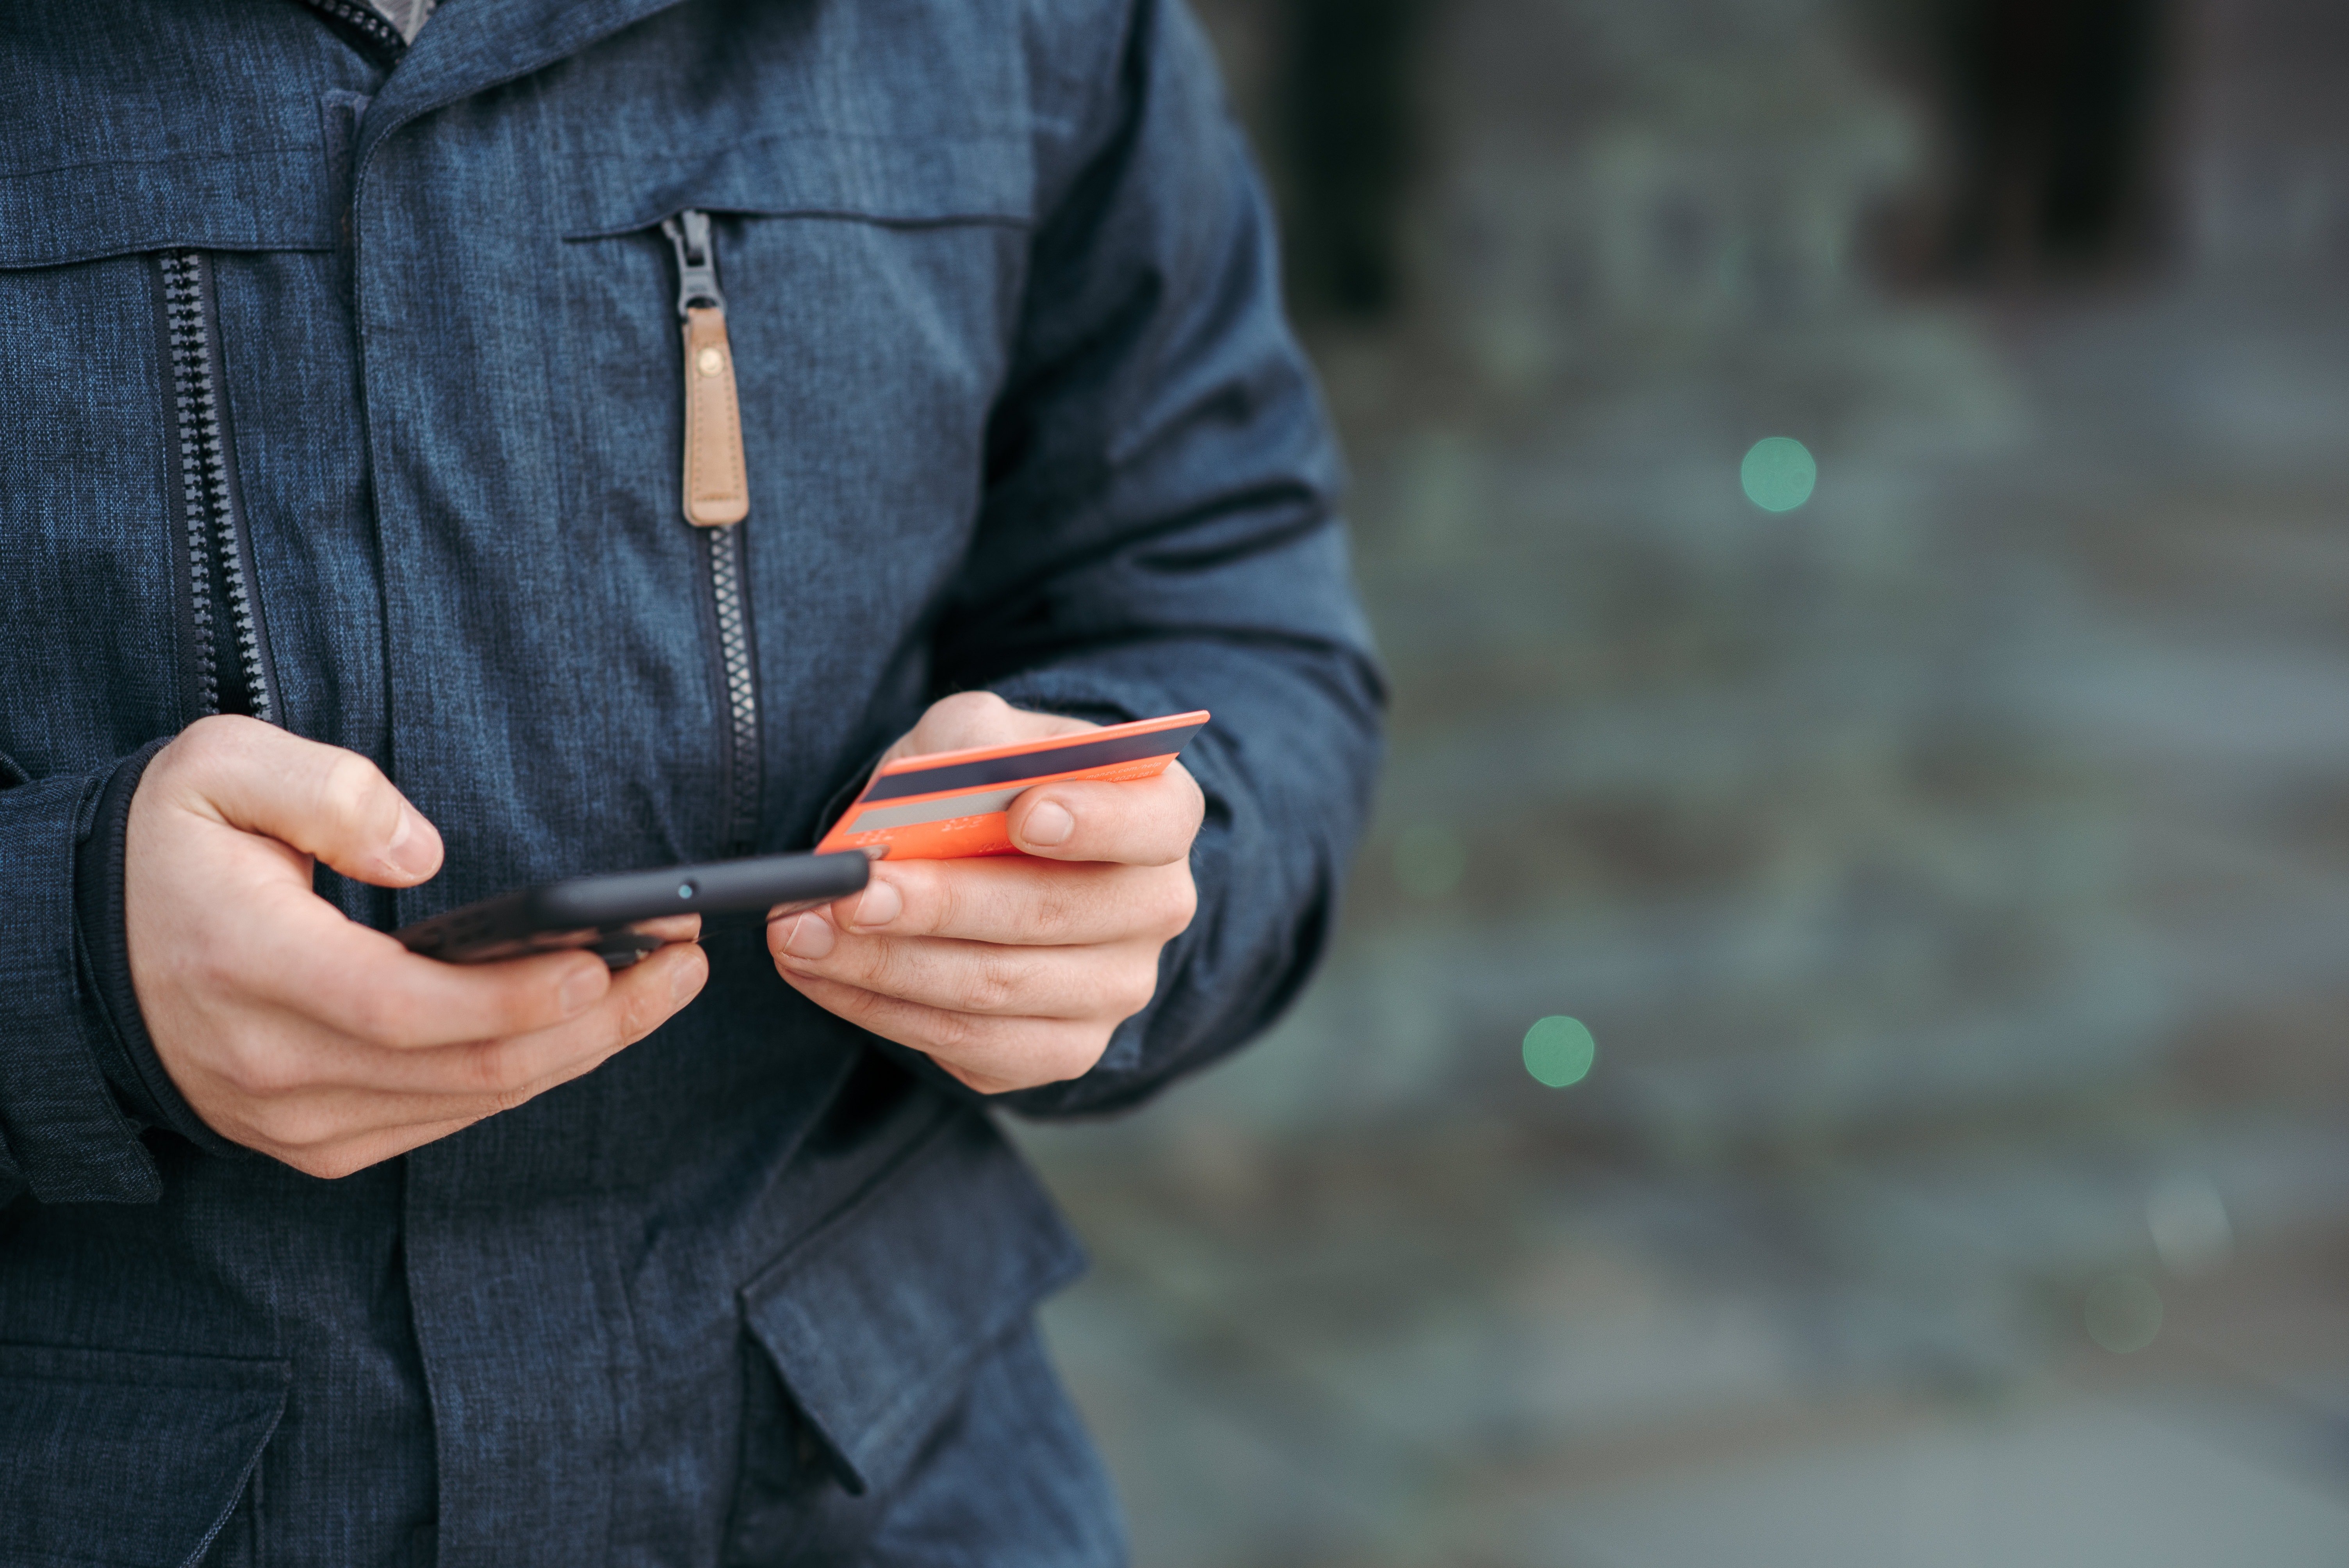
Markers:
{"x": 810, "y": 936}
{"x": 580, "y": 987}
{"x": 1049, "y": 824}
{"x": 686, "y": 979}
{"x": 410, "y": 853}
{"x": 881, "y": 904}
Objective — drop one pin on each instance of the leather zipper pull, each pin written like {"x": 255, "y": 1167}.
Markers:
{"x": 717, "y": 482}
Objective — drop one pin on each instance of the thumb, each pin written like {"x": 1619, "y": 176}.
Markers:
{"x": 321, "y": 800}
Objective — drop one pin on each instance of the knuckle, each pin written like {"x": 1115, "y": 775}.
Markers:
{"x": 955, "y": 1033}
{"x": 1075, "y": 1056}
{"x": 213, "y": 967}
{"x": 260, "y": 1072}
{"x": 933, "y": 903}
{"x": 980, "y": 1082}
{"x": 954, "y": 720}
{"x": 325, "y": 1165}
{"x": 383, "y": 1018}
{"x": 506, "y": 1016}
{"x": 1194, "y": 799}
{"x": 1177, "y": 905}
{"x": 1055, "y": 915}
{"x": 300, "y": 1132}
{"x": 493, "y": 1078}
{"x": 185, "y": 756}
{"x": 508, "y": 1099}
{"x": 526, "y": 1009}
{"x": 333, "y": 1158}
{"x": 493, "y": 1070}
{"x": 204, "y": 744}
{"x": 639, "y": 1017}
{"x": 994, "y": 983}
{"x": 881, "y": 1013}
{"x": 347, "y": 792}
{"x": 969, "y": 706}
{"x": 852, "y": 1003}
{"x": 211, "y": 751}
{"x": 886, "y": 966}
{"x": 1135, "y": 985}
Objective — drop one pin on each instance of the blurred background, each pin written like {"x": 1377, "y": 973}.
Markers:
{"x": 1953, "y": 869}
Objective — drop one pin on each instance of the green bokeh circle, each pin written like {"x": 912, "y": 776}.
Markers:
{"x": 1559, "y": 1051}
{"x": 1778, "y": 473}
{"x": 2122, "y": 1314}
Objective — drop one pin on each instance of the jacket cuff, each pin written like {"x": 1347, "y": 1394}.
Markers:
{"x": 126, "y": 1052}
{"x": 64, "y": 1137}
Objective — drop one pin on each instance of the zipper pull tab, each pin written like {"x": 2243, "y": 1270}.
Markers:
{"x": 717, "y": 485}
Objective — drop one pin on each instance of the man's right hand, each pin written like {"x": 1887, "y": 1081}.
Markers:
{"x": 297, "y": 1032}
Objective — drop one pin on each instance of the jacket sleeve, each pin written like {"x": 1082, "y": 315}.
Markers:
{"x": 64, "y": 1134}
{"x": 1159, "y": 533}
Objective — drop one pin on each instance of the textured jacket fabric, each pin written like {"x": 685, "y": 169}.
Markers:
{"x": 1020, "y": 413}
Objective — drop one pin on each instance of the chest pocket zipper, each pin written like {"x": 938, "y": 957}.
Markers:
{"x": 227, "y": 646}
{"x": 717, "y": 497}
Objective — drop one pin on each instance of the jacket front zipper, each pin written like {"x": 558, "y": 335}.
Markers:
{"x": 228, "y": 652}
{"x": 717, "y": 498}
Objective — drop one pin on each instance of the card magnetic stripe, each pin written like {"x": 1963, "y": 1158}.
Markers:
{"x": 1028, "y": 766}
{"x": 974, "y": 803}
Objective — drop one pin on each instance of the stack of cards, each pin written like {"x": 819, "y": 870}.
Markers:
{"x": 951, "y": 803}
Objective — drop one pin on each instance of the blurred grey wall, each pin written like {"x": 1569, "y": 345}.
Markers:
{"x": 1953, "y": 870}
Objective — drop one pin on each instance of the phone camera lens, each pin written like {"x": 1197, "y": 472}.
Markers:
{"x": 685, "y": 890}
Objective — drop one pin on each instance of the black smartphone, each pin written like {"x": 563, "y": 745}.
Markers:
{"x": 596, "y": 912}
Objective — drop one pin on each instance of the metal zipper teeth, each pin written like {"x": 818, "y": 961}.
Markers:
{"x": 364, "y": 26}
{"x": 184, "y": 321}
{"x": 215, "y": 546}
{"x": 694, "y": 247}
{"x": 738, "y": 663}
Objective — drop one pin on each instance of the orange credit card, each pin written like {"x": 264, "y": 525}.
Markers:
{"x": 950, "y": 804}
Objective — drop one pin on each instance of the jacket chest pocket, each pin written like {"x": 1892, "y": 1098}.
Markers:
{"x": 133, "y": 584}
{"x": 810, "y": 340}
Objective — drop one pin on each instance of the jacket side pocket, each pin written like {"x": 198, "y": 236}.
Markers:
{"x": 862, "y": 1337}
{"x": 118, "y": 1456}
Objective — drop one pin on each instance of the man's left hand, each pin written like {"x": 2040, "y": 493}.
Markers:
{"x": 1010, "y": 970}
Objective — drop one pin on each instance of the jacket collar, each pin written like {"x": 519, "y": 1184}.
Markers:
{"x": 470, "y": 46}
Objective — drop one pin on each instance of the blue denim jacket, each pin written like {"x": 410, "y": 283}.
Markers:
{"x": 344, "y": 388}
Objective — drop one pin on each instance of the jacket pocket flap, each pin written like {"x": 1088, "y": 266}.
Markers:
{"x": 267, "y": 200}
{"x": 117, "y": 1457}
{"x": 812, "y": 173}
{"x": 874, "y": 1322}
